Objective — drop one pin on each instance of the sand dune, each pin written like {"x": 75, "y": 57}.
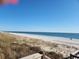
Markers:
{"x": 59, "y": 40}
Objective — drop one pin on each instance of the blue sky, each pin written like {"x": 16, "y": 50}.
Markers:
{"x": 40, "y": 15}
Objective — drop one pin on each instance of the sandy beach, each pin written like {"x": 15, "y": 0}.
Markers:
{"x": 59, "y": 40}
{"x": 59, "y": 45}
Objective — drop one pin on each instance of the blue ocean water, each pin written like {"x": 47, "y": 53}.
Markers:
{"x": 66, "y": 35}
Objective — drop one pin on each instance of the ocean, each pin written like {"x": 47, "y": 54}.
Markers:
{"x": 66, "y": 35}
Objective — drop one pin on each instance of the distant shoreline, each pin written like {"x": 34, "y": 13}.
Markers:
{"x": 56, "y": 34}
{"x": 59, "y": 40}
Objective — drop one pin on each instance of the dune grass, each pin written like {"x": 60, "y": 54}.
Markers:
{"x": 14, "y": 47}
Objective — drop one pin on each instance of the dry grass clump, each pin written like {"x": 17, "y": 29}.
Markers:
{"x": 21, "y": 50}
{"x": 15, "y": 51}
{"x": 6, "y": 37}
{"x": 54, "y": 55}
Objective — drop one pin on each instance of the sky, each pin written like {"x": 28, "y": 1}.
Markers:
{"x": 40, "y": 15}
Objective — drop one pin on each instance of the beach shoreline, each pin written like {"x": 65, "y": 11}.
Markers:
{"x": 52, "y": 39}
